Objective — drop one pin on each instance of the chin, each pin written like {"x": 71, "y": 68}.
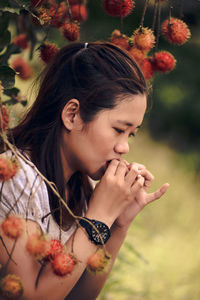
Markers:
{"x": 98, "y": 174}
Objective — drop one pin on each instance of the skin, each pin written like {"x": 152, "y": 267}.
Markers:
{"x": 122, "y": 192}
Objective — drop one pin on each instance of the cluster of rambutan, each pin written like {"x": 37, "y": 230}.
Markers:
{"x": 45, "y": 250}
{"x": 143, "y": 40}
{"x": 61, "y": 16}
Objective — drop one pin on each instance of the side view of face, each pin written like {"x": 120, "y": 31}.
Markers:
{"x": 89, "y": 148}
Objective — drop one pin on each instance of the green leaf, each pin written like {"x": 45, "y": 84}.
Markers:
{"x": 5, "y": 38}
{"x": 11, "y": 49}
{"x": 10, "y": 101}
{"x": 4, "y": 3}
{"x": 7, "y": 77}
{"x": 4, "y": 21}
{"x": 11, "y": 92}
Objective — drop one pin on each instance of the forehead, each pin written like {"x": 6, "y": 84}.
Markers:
{"x": 130, "y": 109}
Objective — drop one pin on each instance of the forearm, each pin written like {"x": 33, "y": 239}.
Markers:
{"x": 89, "y": 285}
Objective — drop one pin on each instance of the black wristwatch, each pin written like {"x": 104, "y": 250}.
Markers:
{"x": 92, "y": 233}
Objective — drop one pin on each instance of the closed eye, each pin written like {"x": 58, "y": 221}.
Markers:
{"x": 119, "y": 130}
{"x": 122, "y": 131}
{"x": 132, "y": 134}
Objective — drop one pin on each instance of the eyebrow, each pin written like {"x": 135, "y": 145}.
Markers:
{"x": 127, "y": 123}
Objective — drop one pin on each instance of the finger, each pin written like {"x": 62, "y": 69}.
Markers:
{"x": 138, "y": 184}
{"x": 139, "y": 166}
{"x": 132, "y": 174}
{"x": 121, "y": 169}
{"x": 147, "y": 176}
{"x": 112, "y": 167}
{"x": 157, "y": 194}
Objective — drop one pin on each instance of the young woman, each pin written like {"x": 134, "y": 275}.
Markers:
{"x": 92, "y": 98}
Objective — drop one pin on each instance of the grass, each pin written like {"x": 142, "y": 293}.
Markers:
{"x": 161, "y": 256}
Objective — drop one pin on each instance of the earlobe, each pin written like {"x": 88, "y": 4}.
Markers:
{"x": 69, "y": 113}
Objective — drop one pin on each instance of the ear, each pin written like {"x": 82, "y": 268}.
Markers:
{"x": 69, "y": 113}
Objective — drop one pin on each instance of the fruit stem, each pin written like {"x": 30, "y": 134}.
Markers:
{"x": 143, "y": 13}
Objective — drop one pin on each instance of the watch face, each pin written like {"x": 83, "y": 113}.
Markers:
{"x": 103, "y": 230}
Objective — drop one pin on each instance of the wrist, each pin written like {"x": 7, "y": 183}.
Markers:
{"x": 120, "y": 228}
{"x": 100, "y": 217}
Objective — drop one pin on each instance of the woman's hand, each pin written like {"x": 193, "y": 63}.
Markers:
{"x": 115, "y": 191}
{"x": 142, "y": 198}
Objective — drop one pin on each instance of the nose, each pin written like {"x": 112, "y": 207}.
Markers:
{"x": 122, "y": 147}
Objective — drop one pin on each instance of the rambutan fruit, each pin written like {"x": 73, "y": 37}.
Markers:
{"x": 98, "y": 262}
{"x": 11, "y": 287}
{"x": 119, "y": 39}
{"x": 79, "y": 13}
{"x": 118, "y": 8}
{"x": 143, "y": 38}
{"x": 43, "y": 15}
{"x": 22, "y": 68}
{"x": 8, "y": 168}
{"x": 137, "y": 54}
{"x": 13, "y": 226}
{"x": 175, "y": 31}
{"x": 70, "y": 31}
{"x": 38, "y": 245}
{"x": 21, "y": 41}
{"x": 58, "y": 14}
{"x": 163, "y": 61}
{"x": 4, "y": 118}
{"x": 147, "y": 68}
{"x": 48, "y": 51}
{"x": 55, "y": 248}
{"x": 64, "y": 263}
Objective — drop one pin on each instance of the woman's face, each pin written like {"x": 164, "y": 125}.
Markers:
{"x": 90, "y": 149}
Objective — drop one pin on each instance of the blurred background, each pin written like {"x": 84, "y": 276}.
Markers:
{"x": 161, "y": 256}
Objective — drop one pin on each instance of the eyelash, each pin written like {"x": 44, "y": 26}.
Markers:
{"x": 122, "y": 131}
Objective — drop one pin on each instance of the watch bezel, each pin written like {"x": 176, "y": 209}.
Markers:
{"x": 92, "y": 233}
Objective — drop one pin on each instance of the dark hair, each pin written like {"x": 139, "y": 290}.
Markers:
{"x": 96, "y": 76}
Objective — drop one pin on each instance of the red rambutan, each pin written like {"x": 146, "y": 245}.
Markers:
{"x": 22, "y": 68}
{"x": 48, "y": 51}
{"x": 119, "y": 39}
{"x": 21, "y": 41}
{"x": 118, "y": 8}
{"x": 137, "y": 54}
{"x": 147, "y": 68}
{"x": 13, "y": 226}
{"x": 55, "y": 248}
{"x": 11, "y": 287}
{"x": 58, "y": 14}
{"x": 70, "y": 31}
{"x": 79, "y": 13}
{"x": 143, "y": 38}
{"x": 64, "y": 263}
{"x": 98, "y": 262}
{"x": 4, "y": 118}
{"x": 8, "y": 168}
{"x": 38, "y": 245}
{"x": 163, "y": 61}
{"x": 175, "y": 31}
